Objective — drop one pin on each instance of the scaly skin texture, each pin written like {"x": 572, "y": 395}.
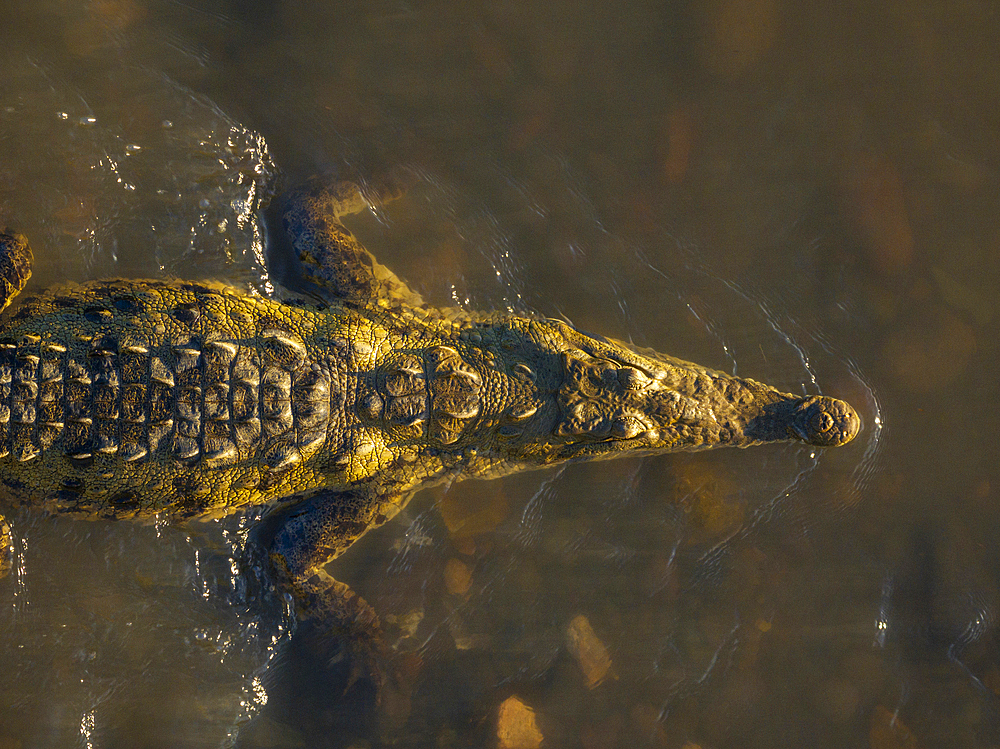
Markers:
{"x": 135, "y": 399}
{"x": 150, "y": 399}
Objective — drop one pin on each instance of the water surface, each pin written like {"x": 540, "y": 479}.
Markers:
{"x": 806, "y": 196}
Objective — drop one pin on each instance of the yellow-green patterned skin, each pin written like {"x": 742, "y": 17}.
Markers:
{"x": 142, "y": 398}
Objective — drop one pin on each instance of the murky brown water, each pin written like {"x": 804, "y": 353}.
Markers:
{"x": 805, "y": 195}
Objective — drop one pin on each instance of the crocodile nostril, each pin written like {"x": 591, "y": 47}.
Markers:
{"x": 821, "y": 422}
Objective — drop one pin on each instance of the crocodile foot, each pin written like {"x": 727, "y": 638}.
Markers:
{"x": 338, "y": 677}
{"x": 339, "y": 636}
{"x": 343, "y": 630}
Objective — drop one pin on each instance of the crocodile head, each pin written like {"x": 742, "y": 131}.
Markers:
{"x": 596, "y": 397}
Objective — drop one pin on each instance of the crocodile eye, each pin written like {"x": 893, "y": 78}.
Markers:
{"x": 631, "y": 378}
{"x": 627, "y": 428}
{"x": 821, "y": 422}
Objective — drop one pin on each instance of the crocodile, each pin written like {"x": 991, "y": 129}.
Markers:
{"x": 160, "y": 400}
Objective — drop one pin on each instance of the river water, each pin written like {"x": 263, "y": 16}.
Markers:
{"x": 802, "y": 195}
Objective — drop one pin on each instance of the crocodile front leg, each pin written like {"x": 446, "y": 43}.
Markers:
{"x": 314, "y": 532}
{"x": 329, "y": 255}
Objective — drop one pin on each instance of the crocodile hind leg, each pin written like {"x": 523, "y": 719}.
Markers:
{"x": 6, "y": 548}
{"x": 330, "y": 256}
{"x": 15, "y": 266}
{"x": 15, "y": 270}
{"x": 312, "y": 533}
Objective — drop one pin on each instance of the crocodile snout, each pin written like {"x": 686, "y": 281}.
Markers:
{"x": 824, "y": 421}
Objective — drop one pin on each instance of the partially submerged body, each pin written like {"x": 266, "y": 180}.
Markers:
{"x": 150, "y": 399}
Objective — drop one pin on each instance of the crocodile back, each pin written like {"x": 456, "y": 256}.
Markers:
{"x": 130, "y": 398}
